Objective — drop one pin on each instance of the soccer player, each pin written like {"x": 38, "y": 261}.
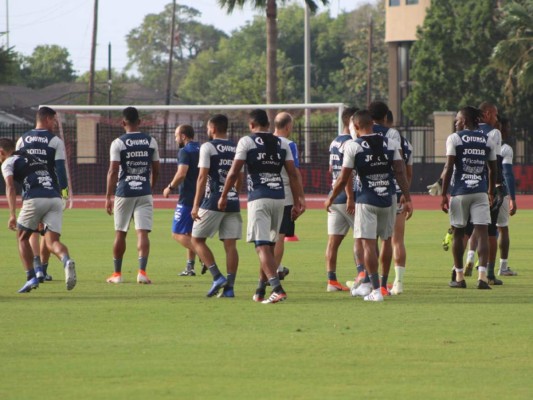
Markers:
{"x": 216, "y": 157}
{"x": 468, "y": 151}
{"x": 509, "y": 204}
{"x": 341, "y": 212}
{"x": 378, "y": 110}
{"x": 376, "y": 159}
{"x": 283, "y": 124}
{"x": 131, "y": 178}
{"x": 42, "y": 143}
{"x": 265, "y": 155}
{"x": 41, "y": 203}
{"x": 185, "y": 180}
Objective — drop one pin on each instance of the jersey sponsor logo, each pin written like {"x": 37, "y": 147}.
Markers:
{"x": 32, "y": 139}
{"x": 222, "y": 148}
{"x": 225, "y": 162}
{"x": 334, "y": 157}
{"x": 41, "y": 152}
{"x": 476, "y": 139}
{"x": 137, "y": 142}
{"x": 475, "y": 152}
{"x": 131, "y": 154}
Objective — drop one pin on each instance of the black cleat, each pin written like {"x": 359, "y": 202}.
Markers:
{"x": 458, "y": 285}
{"x": 187, "y": 272}
{"x": 495, "y": 282}
{"x": 283, "y": 273}
{"x": 482, "y": 285}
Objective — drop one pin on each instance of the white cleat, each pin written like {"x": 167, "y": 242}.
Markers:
{"x": 397, "y": 288}
{"x": 70, "y": 274}
{"x": 375, "y": 295}
{"x": 362, "y": 290}
{"x": 115, "y": 278}
{"x": 143, "y": 279}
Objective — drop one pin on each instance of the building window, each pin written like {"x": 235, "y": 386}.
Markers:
{"x": 408, "y": 2}
{"x": 394, "y": 3}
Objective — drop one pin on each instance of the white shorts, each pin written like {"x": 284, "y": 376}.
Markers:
{"x": 264, "y": 220}
{"x": 140, "y": 208}
{"x": 227, "y": 224}
{"x": 49, "y": 211}
{"x": 372, "y": 221}
{"x": 503, "y": 213}
{"x": 473, "y": 207}
{"x": 339, "y": 221}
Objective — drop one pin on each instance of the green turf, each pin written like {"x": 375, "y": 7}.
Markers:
{"x": 167, "y": 341}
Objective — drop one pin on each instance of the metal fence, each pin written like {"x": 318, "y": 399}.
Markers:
{"x": 89, "y": 173}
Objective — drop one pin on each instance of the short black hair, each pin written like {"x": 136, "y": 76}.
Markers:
{"x": 378, "y": 110}
{"x": 220, "y": 121}
{"x": 131, "y": 115}
{"x": 389, "y": 117}
{"x": 363, "y": 118}
{"x": 187, "y": 130}
{"x": 7, "y": 144}
{"x": 259, "y": 117}
{"x": 472, "y": 116}
{"x": 45, "y": 112}
{"x": 347, "y": 114}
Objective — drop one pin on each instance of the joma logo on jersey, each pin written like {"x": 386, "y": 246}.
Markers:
{"x": 131, "y": 154}
{"x": 225, "y": 162}
{"x": 262, "y": 156}
{"x": 475, "y": 152}
{"x": 31, "y": 139}
{"x": 137, "y": 142}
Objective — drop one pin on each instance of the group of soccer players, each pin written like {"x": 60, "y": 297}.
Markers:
{"x": 371, "y": 167}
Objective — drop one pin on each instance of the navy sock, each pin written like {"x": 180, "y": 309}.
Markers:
{"x": 261, "y": 285}
{"x": 274, "y": 283}
{"x": 64, "y": 260}
{"x": 30, "y": 274}
{"x": 374, "y": 278}
{"x": 367, "y": 278}
{"x": 36, "y": 261}
{"x": 360, "y": 268}
{"x": 231, "y": 279}
{"x": 214, "y": 271}
{"x": 384, "y": 280}
{"x": 190, "y": 265}
{"x": 490, "y": 270}
{"x": 45, "y": 268}
{"x": 117, "y": 265}
{"x": 142, "y": 263}
{"x": 332, "y": 276}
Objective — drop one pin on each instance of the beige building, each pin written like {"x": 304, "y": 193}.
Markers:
{"x": 401, "y": 21}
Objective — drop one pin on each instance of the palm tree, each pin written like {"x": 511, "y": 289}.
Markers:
{"x": 271, "y": 8}
{"x": 514, "y": 55}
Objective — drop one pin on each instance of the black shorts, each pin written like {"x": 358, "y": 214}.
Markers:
{"x": 287, "y": 224}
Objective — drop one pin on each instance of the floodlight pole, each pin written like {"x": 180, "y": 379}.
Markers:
{"x": 93, "y": 54}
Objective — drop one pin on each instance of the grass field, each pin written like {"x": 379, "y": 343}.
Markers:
{"x": 168, "y": 341}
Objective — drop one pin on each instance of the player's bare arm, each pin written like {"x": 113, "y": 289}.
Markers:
{"x": 401, "y": 178}
{"x": 11, "y": 194}
{"x": 200, "y": 191}
{"x": 340, "y": 183}
{"x": 179, "y": 177}
{"x": 156, "y": 166}
{"x": 112, "y": 178}
{"x": 446, "y": 177}
{"x": 231, "y": 179}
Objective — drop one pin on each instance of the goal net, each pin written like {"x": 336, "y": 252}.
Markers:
{"x": 89, "y": 130}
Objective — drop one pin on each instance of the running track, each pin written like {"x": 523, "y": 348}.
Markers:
{"x": 420, "y": 202}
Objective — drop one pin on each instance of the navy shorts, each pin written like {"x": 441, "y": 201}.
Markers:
{"x": 182, "y": 223}
{"x": 287, "y": 224}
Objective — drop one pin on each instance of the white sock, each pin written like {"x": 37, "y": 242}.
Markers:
{"x": 470, "y": 256}
{"x": 503, "y": 263}
{"x": 482, "y": 273}
{"x": 399, "y": 273}
{"x": 280, "y": 268}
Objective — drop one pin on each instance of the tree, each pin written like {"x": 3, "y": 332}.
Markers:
{"x": 514, "y": 55}
{"x": 9, "y": 71}
{"x": 451, "y": 59}
{"x": 48, "y": 64}
{"x": 271, "y": 8}
{"x": 149, "y": 43}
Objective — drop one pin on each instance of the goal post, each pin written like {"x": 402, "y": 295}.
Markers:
{"x": 88, "y": 131}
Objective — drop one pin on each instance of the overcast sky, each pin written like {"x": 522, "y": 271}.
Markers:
{"x": 68, "y": 23}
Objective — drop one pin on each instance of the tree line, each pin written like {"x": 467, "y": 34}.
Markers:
{"x": 466, "y": 52}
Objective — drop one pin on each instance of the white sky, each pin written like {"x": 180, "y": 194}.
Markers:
{"x": 68, "y": 23}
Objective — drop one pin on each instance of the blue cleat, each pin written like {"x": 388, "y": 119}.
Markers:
{"x": 227, "y": 292}
{"x": 30, "y": 284}
{"x": 217, "y": 284}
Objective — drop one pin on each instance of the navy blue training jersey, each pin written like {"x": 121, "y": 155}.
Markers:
{"x": 135, "y": 151}
{"x": 336, "y": 157}
{"x": 189, "y": 155}
{"x": 218, "y": 155}
{"x": 264, "y": 166}
{"x": 32, "y": 174}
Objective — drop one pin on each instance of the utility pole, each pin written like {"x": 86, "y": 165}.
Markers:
{"x": 171, "y": 53}
{"x": 369, "y": 62}
{"x": 93, "y": 53}
{"x": 307, "y": 83}
{"x": 109, "y": 74}
{"x": 7, "y": 24}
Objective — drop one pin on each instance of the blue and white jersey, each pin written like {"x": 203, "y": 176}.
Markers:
{"x": 496, "y": 136}
{"x": 472, "y": 150}
{"x": 289, "y": 200}
{"x": 32, "y": 174}
{"x": 336, "y": 157}
{"x": 44, "y": 145}
{"x": 189, "y": 155}
{"x": 407, "y": 155}
{"x": 217, "y": 155}
{"x": 390, "y": 133}
{"x": 507, "y": 169}
{"x": 371, "y": 156}
{"x": 264, "y": 169}
{"x": 135, "y": 151}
